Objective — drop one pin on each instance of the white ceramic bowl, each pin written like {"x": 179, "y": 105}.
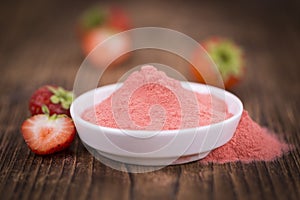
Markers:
{"x": 148, "y": 147}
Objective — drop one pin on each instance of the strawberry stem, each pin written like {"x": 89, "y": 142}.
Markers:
{"x": 93, "y": 17}
{"x": 53, "y": 117}
{"x": 61, "y": 96}
{"x": 46, "y": 111}
{"x": 227, "y": 56}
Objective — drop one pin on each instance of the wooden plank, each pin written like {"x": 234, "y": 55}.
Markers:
{"x": 196, "y": 182}
{"x": 154, "y": 185}
{"x": 108, "y": 183}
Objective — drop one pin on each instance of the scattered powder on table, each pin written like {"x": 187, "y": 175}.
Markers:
{"x": 150, "y": 100}
{"x": 251, "y": 142}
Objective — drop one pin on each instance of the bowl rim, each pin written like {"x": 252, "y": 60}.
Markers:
{"x": 115, "y": 131}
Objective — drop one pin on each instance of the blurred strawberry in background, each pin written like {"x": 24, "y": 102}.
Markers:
{"x": 228, "y": 57}
{"x": 96, "y": 25}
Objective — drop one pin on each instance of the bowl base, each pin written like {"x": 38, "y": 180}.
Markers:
{"x": 146, "y": 161}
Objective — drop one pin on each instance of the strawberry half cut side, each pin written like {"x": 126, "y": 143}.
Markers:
{"x": 46, "y": 134}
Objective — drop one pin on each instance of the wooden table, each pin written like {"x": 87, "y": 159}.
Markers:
{"x": 38, "y": 45}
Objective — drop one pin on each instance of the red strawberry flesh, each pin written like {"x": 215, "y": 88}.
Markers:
{"x": 46, "y": 135}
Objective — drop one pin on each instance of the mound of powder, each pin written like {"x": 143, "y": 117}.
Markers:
{"x": 150, "y": 100}
{"x": 251, "y": 142}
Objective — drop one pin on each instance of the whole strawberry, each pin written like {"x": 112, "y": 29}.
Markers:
{"x": 228, "y": 57}
{"x": 57, "y": 100}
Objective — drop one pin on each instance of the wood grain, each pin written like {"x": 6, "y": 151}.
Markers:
{"x": 38, "y": 45}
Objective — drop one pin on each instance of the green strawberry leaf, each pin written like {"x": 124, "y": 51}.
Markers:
{"x": 61, "y": 96}
{"x": 45, "y": 110}
{"x": 228, "y": 58}
{"x": 93, "y": 17}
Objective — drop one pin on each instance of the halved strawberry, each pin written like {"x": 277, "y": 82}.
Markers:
{"x": 46, "y": 134}
{"x": 113, "y": 17}
{"x": 118, "y": 19}
{"x": 108, "y": 51}
{"x": 57, "y": 99}
{"x": 95, "y": 26}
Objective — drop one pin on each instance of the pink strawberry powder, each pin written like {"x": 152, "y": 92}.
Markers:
{"x": 150, "y": 100}
{"x": 251, "y": 142}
